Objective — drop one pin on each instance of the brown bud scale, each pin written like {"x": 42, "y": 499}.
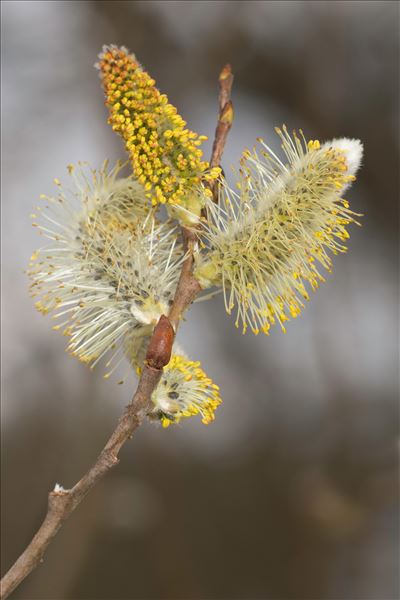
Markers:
{"x": 160, "y": 346}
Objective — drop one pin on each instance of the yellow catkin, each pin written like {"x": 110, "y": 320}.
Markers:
{"x": 185, "y": 390}
{"x": 165, "y": 156}
{"x": 268, "y": 242}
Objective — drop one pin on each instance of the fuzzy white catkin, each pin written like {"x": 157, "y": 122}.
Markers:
{"x": 111, "y": 269}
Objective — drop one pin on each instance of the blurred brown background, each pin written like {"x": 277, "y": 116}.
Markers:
{"x": 292, "y": 494}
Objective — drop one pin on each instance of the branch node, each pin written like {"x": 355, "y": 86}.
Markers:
{"x": 110, "y": 459}
{"x": 227, "y": 114}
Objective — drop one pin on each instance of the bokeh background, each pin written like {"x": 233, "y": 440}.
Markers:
{"x": 293, "y": 492}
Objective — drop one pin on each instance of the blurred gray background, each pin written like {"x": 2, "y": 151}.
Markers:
{"x": 292, "y": 493}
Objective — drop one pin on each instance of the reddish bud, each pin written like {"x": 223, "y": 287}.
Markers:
{"x": 160, "y": 346}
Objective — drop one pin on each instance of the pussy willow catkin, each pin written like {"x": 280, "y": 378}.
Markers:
{"x": 166, "y": 157}
{"x": 185, "y": 390}
{"x": 267, "y": 242}
{"x": 111, "y": 268}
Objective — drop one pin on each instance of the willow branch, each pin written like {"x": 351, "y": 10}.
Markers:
{"x": 62, "y": 502}
{"x": 225, "y": 121}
